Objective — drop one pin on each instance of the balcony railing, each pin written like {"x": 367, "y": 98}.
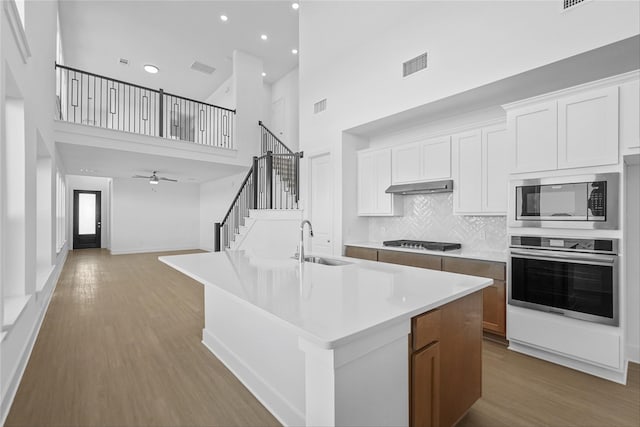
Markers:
{"x": 95, "y": 100}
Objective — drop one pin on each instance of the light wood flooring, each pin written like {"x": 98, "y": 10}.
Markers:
{"x": 120, "y": 346}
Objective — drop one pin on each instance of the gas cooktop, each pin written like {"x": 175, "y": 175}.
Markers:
{"x": 419, "y": 244}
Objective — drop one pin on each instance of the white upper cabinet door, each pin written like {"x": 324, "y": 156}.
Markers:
{"x": 382, "y": 180}
{"x": 406, "y": 163}
{"x": 588, "y": 129}
{"x": 366, "y": 187}
{"x": 630, "y": 115}
{"x": 467, "y": 172}
{"x": 495, "y": 150}
{"x": 435, "y": 158}
{"x": 533, "y": 135}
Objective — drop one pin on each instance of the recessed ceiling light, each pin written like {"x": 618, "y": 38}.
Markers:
{"x": 152, "y": 69}
{"x": 294, "y": 51}
{"x": 264, "y": 74}
{"x": 295, "y": 6}
{"x": 264, "y": 37}
{"x": 224, "y": 18}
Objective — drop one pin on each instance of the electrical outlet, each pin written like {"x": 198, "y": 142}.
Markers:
{"x": 483, "y": 235}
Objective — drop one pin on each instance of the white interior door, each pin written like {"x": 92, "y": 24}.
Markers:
{"x": 278, "y": 119}
{"x": 321, "y": 203}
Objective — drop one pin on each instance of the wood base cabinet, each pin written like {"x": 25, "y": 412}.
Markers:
{"x": 446, "y": 362}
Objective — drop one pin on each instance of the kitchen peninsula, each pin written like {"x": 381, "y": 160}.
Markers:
{"x": 358, "y": 343}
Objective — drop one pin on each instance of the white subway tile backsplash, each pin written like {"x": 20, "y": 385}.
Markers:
{"x": 430, "y": 217}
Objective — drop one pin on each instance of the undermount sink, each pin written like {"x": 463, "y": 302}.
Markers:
{"x": 325, "y": 261}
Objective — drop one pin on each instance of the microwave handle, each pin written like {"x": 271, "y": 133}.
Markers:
{"x": 579, "y": 258}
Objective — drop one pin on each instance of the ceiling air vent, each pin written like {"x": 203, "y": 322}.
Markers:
{"x": 320, "y": 106}
{"x": 203, "y": 68}
{"x": 414, "y": 65}
{"x": 123, "y": 61}
{"x": 570, "y": 3}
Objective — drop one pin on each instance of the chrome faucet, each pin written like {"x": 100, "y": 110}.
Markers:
{"x": 301, "y": 250}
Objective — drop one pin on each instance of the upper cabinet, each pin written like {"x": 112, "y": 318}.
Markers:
{"x": 588, "y": 129}
{"x": 629, "y": 117}
{"x": 575, "y": 128}
{"x": 374, "y": 177}
{"x": 427, "y": 160}
{"x": 480, "y": 159}
{"x": 534, "y": 137}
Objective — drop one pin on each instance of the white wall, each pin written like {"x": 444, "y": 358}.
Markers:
{"x": 632, "y": 261}
{"x": 32, "y": 70}
{"x": 215, "y": 198}
{"x": 91, "y": 183}
{"x": 357, "y": 67}
{"x": 148, "y": 218}
{"x": 224, "y": 96}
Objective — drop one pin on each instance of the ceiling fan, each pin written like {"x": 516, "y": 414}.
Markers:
{"x": 154, "y": 178}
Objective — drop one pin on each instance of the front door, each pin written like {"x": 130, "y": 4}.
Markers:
{"x": 86, "y": 219}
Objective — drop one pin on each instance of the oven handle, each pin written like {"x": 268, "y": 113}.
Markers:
{"x": 572, "y": 257}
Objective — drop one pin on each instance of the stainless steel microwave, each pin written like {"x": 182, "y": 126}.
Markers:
{"x": 586, "y": 201}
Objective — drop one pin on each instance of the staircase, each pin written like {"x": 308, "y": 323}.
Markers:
{"x": 272, "y": 183}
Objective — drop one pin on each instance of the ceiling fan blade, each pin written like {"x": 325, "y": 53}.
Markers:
{"x": 141, "y": 176}
{"x": 167, "y": 179}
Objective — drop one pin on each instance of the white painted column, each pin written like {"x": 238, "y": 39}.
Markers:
{"x": 361, "y": 383}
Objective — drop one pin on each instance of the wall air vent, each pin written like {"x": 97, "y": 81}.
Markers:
{"x": 203, "y": 68}
{"x": 414, "y": 65}
{"x": 320, "y": 106}
{"x": 570, "y": 3}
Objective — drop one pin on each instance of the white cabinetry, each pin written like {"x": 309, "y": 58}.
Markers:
{"x": 574, "y": 128}
{"x": 374, "y": 177}
{"x": 630, "y": 117}
{"x": 480, "y": 171}
{"x": 535, "y": 142}
{"x": 427, "y": 160}
{"x": 588, "y": 129}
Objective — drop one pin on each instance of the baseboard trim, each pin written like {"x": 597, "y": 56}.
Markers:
{"x": 275, "y": 403}
{"x": 152, "y": 250}
{"x": 16, "y": 378}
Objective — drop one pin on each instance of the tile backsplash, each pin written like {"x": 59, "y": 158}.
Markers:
{"x": 430, "y": 217}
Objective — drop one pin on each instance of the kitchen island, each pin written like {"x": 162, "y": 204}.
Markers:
{"x": 335, "y": 344}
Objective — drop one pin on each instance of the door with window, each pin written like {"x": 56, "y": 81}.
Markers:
{"x": 87, "y": 223}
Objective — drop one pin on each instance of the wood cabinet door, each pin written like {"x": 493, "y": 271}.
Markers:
{"x": 425, "y": 387}
{"x": 534, "y": 137}
{"x": 435, "y": 158}
{"x": 630, "y": 115}
{"x": 405, "y": 163}
{"x": 494, "y": 308}
{"x": 361, "y": 253}
{"x": 495, "y": 169}
{"x": 467, "y": 170}
{"x": 588, "y": 129}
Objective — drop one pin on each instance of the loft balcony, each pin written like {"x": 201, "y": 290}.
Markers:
{"x": 99, "y": 111}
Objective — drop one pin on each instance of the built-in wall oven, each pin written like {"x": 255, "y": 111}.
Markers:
{"x": 586, "y": 201}
{"x": 572, "y": 277}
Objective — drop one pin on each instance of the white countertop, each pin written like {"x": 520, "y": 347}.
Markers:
{"x": 458, "y": 253}
{"x": 328, "y": 305}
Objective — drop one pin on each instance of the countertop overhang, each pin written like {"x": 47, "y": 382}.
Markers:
{"x": 327, "y": 305}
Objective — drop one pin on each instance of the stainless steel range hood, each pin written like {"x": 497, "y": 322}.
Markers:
{"x": 445, "y": 186}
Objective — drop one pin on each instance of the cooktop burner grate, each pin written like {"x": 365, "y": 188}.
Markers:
{"x": 419, "y": 244}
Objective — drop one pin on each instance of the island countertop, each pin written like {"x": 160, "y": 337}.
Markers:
{"x": 327, "y": 305}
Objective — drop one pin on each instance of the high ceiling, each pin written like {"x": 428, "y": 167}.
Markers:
{"x": 174, "y": 34}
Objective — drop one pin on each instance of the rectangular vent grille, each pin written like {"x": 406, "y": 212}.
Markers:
{"x": 203, "y": 68}
{"x": 571, "y": 3}
{"x": 414, "y": 65}
{"x": 124, "y": 61}
{"x": 320, "y": 106}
